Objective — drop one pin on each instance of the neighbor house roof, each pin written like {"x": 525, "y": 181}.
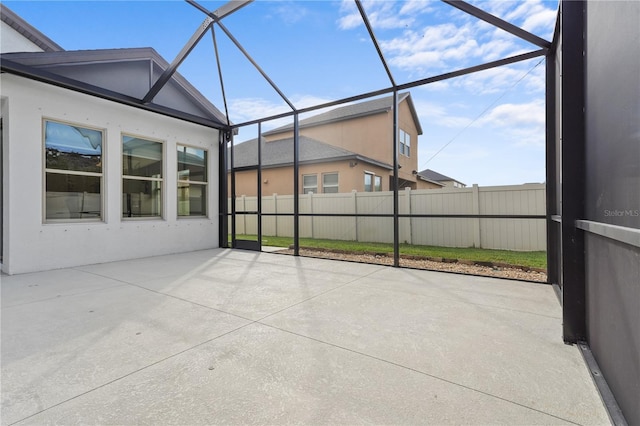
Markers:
{"x": 434, "y": 176}
{"x": 279, "y": 153}
{"x": 29, "y": 32}
{"x": 120, "y": 75}
{"x": 348, "y": 112}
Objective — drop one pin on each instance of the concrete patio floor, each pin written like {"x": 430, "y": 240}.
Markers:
{"x": 236, "y": 337}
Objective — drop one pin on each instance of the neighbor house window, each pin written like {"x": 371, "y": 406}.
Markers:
{"x": 73, "y": 172}
{"x": 368, "y": 182}
{"x": 377, "y": 185}
{"x": 405, "y": 143}
{"x": 372, "y": 182}
{"x": 192, "y": 181}
{"x": 309, "y": 184}
{"x": 330, "y": 183}
{"x": 142, "y": 168}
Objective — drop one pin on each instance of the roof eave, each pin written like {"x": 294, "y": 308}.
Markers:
{"x": 414, "y": 113}
{"x": 78, "y": 86}
{"x": 28, "y": 31}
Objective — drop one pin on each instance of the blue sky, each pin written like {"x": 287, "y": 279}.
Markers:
{"x": 486, "y": 128}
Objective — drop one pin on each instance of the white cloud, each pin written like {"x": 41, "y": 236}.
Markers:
{"x": 543, "y": 20}
{"x": 247, "y": 109}
{"x": 505, "y": 78}
{"x": 431, "y": 114}
{"x": 523, "y": 124}
{"x": 290, "y": 12}
{"x": 381, "y": 14}
{"x": 427, "y": 48}
{"x": 531, "y": 114}
{"x": 417, "y": 7}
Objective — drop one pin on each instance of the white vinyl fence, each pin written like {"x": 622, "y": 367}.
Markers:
{"x": 508, "y": 234}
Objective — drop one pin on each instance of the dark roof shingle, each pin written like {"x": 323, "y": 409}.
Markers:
{"x": 279, "y": 153}
{"x": 348, "y": 112}
{"x": 434, "y": 176}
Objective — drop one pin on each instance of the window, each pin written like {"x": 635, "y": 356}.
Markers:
{"x": 309, "y": 184}
{"x": 368, "y": 181}
{"x": 405, "y": 143}
{"x": 192, "y": 181}
{"x": 330, "y": 183}
{"x": 141, "y": 177}
{"x": 377, "y": 183}
{"x": 73, "y": 172}
{"x": 372, "y": 182}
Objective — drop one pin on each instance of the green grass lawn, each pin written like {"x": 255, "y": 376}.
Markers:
{"x": 531, "y": 259}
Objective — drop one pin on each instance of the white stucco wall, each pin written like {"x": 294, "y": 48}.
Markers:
{"x": 13, "y": 41}
{"x": 32, "y": 245}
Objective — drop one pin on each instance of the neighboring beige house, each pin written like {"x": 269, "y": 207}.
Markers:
{"x": 433, "y": 176}
{"x": 342, "y": 150}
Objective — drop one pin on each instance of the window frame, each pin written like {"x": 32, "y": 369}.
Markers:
{"x": 205, "y": 184}
{"x": 336, "y": 185}
{"x": 404, "y": 142}
{"x": 305, "y": 187}
{"x": 162, "y": 180}
{"x": 46, "y": 170}
{"x": 372, "y": 175}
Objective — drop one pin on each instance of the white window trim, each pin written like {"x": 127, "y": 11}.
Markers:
{"x": 304, "y": 187}
{"x": 403, "y": 146}
{"x": 333, "y": 185}
{"x": 45, "y": 170}
{"x": 163, "y": 187}
{"x": 373, "y": 179}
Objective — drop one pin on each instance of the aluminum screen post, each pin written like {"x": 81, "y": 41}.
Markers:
{"x": 296, "y": 185}
{"x": 223, "y": 196}
{"x": 233, "y": 192}
{"x": 551, "y": 178}
{"x": 259, "y": 189}
{"x": 396, "y": 184}
{"x": 573, "y": 171}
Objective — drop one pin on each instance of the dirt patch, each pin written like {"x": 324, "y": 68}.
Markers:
{"x": 488, "y": 269}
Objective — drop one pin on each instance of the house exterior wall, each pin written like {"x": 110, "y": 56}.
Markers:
{"x": 30, "y": 244}
{"x": 12, "y": 41}
{"x": 280, "y": 180}
{"x": 421, "y": 184}
{"x": 370, "y": 136}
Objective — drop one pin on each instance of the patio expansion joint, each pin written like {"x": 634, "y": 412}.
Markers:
{"x": 485, "y": 305}
{"x": 131, "y": 373}
{"x": 191, "y": 302}
{"x": 414, "y": 370}
{"x": 353, "y": 281}
{"x": 60, "y": 296}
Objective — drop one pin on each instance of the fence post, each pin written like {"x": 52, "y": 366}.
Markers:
{"x": 354, "y": 197}
{"x": 476, "y": 222}
{"x": 244, "y": 216}
{"x": 311, "y": 211}
{"x": 275, "y": 210}
{"x": 407, "y": 210}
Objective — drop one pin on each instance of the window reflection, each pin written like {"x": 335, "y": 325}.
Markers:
{"x": 192, "y": 181}
{"x": 73, "y": 163}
